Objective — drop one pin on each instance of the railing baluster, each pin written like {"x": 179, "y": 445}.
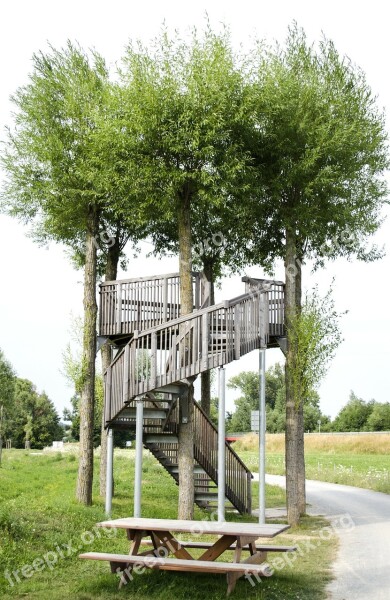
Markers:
{"x": 119, "y": 309}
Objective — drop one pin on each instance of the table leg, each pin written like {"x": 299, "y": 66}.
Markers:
{"x": 136, "y": 541}
{"x": 222, "y": 544}
{"x": 167, "y": 540}
{"x": 254, "y": 558}
{"x": 125, "y": 569}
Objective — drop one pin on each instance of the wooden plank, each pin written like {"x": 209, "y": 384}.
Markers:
{"x": 238, "y": 529}
{"x": 218, "y": 548}
{"x": 176, "y": 564}
{"x": 153, "y": 360}
{"x": 237, "y": 333}
{"x": 119, "y": 308}
{"x": 205, "y": 342}
{"x": 125, "y": 386}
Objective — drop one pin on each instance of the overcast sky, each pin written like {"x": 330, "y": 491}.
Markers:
{"x": 39, "y": 290}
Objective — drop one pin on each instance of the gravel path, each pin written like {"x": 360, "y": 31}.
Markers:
{"x": 362, "y": 565}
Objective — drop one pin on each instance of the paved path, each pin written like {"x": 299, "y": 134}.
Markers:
{"x": 362, "y": 566}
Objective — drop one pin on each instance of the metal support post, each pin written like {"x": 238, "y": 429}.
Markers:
{"x": 262, "y": 429}
{"x": 221, "y": 446}
{"x": 109, "y": 471}
{"x": 138, "y": 457}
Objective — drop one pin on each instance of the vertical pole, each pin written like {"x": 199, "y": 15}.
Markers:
{"x": 138, "y": 458}
{"x": 221, "y": 446}
{"x": 109, "y": 471}
{"x": 262, "y": 429}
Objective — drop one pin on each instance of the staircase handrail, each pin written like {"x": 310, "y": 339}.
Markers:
{"x": 127, "y": 305}
{"x": 226, "y": 442}
{"x": 147, "y": 278}
{"x": 191, "y": 344}
{"x": 196, "y": 313}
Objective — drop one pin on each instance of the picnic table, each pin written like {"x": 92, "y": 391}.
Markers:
{"x": 167, "y": 552}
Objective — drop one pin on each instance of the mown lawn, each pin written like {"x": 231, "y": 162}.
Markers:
{"x": 43, "y": 529}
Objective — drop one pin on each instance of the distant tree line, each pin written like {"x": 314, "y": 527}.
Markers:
{"x": 26, "y": 415}
{"x": 359, "y": 415}
{"x": 356, "y": 415}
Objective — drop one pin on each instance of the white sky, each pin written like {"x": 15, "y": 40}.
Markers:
{"x": 39, "y": 289}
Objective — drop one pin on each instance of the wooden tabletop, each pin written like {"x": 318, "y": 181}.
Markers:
{"x": 197, "y": 527}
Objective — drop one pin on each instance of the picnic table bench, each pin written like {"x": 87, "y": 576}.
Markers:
{"x": 237, "y": 537}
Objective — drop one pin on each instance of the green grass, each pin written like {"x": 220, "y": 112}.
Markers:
{"x": 370, "y": 471}
{"x": 43, "y": 529}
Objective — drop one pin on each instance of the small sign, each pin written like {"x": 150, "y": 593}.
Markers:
{"x": 255, "y": 420}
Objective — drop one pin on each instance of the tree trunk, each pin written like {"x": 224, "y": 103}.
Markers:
{"x": 1, "y": 432}
{"x": 292, "y": 410}
{"x": 206, "y": 376}
{"x": 85, "y": 473}
{"x": 186, "y": 432}
{"x": 301, "y": 424}
{"x": 111, "y": 273}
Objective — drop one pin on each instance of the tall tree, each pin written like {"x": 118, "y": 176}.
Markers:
{"x": 320, "y": 147}
{"x": 54, "y": 164}
{"x": 184, "y": 98}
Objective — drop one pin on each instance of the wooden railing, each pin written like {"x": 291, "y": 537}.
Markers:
{"x": 275, "y": 302}
{"x": 189, "y": 345}
{"x": 238, "y": 477}
{"x": 137, "y": 304}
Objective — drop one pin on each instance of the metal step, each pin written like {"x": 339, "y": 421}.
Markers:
{"x": 149, "y": 413}
{"x": 197, "y": 469}
{"x": 206, "y": 496}
{"x": 211, "y": 500}
{"x": 155, "y": 438}
{"x": 169, "y": 389}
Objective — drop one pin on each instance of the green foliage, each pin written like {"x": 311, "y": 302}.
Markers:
{"x": 379, "y": 419}
{"x": 275, "y": 398}
{"x": 7, "y": 382}
{"x": 315, "y": 334}
{"x": 51, "y": 156}
{"x": 182, "y": 102}
{"x": 72, "y": 370}
{"x": 358, "y": 415}
{"x": 213, "y": 416}
{"x": 33, "y": 417}
{"x": 320, "y": 146}
{"x": 7, "y": 388}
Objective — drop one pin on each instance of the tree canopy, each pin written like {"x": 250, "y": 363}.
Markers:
{"x": 321, "y": 149}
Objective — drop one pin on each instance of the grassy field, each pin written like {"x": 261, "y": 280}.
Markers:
{"x": 359, "y": 460}
{"x": 43, "y": 529}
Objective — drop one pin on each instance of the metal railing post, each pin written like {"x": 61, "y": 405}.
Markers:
{"x": 221, "y": 446}
{"x": 262, "y": 429}
{"x": 138, "y": 457}
{"x": 109, "y": 471}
